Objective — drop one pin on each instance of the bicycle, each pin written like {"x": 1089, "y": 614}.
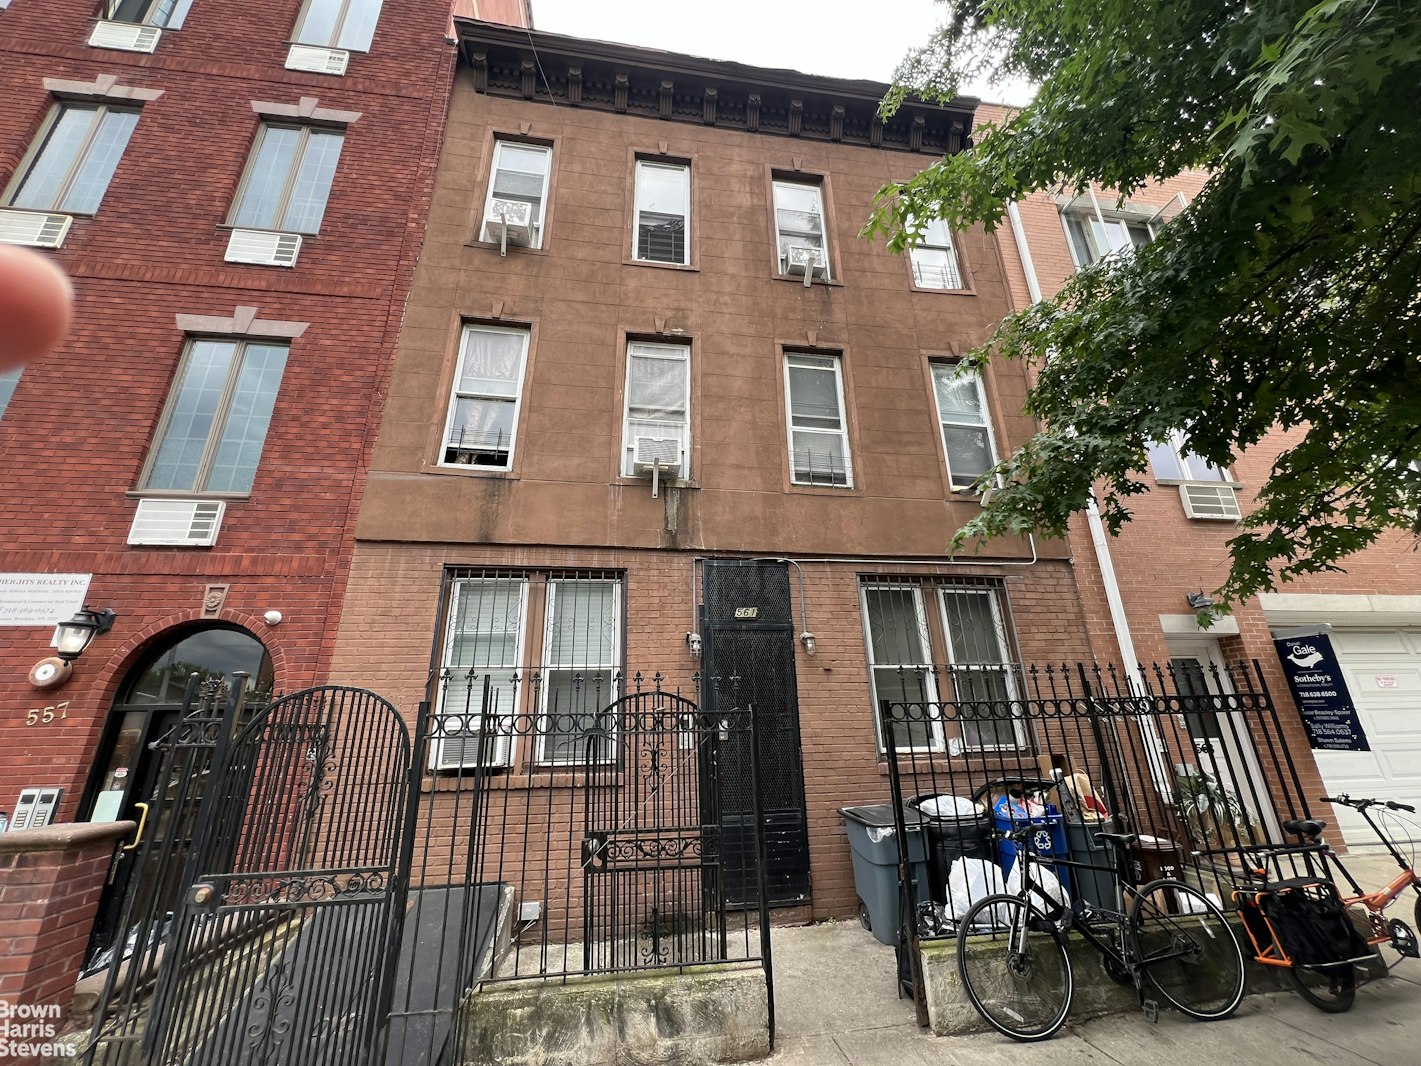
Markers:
{"x": 1330, "y": 986}
{"x": 1170, "y": 939}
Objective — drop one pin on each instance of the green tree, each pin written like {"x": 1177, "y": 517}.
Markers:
{"x": 1286, "y": 295}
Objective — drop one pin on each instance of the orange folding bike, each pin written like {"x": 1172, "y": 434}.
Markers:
{"x": 1301, "y": 923}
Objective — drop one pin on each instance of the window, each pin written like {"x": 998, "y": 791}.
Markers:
{"x": 215, "y": 423}
{"x": 484, "y": 640}
{"x": 520, "y": 176}
{"x": 966, "y": 431}
{"x": 935, "y": 264}
{"x": 657, "y": 424}
{"x": 551, "y": 691}
{"x": 663, "y": 213}
{"x": 1094, "y": 237}
{"x": 580, "y": 659}
{"x": 981, "y": 665}
{"x": 8, "y": 380}
{"x": 980, "y": 682}
{"x": 818, "y": 439}
{"x": 1172, "y": 461}
{"x": 346, "y": 24}
{"x": 799, "y": 223}
{"x": 488, "y": 387}
{"x": 288, "y": 179}
{"x": 899, "y": 664}
{"x": 160, "y": 13}
{"x": 70, "y": 167}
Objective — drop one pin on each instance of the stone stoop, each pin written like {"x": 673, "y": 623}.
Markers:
{"x": 715, "y": 1013}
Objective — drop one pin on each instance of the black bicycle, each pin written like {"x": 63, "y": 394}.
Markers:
{"x": 1170, "y": 940}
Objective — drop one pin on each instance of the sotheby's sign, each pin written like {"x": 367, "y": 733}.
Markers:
{"x": 1329, "y": 715}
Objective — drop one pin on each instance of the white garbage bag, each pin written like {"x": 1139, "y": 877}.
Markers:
{"x": 1043, "y": 877}
{"x": 970, "y": 880}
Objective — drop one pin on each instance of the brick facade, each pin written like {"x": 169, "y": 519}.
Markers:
{"x": 564, "y": 505}
{"x": 80, "y": 424}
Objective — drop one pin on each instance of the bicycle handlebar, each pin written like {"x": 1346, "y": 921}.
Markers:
{"x": 1362, "y": 804}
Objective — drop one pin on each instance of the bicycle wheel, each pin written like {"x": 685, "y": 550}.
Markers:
{"x": 1186, "y": 949}
{"x": 1020, "y": 980}
{"x": 1331, "y": 989}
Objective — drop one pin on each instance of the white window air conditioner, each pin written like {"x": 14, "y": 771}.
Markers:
{"x": 125, "y": 36}
{"x": 1217, "y": 503}
{"x": 263, "y": 247}
{"x": 510, "y": 222}
{"x": 807, "y": 262}
{"x": 649, "y": 453}
{"x": 457, "y": 746}
{"x": 177, "y": 523}
{"x": 316, "y": 59}
{"x": 34, "y": 228}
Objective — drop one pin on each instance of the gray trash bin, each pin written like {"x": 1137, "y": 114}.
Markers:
{"x": 873, "y": 842}
{"x": 1091, "y": 888}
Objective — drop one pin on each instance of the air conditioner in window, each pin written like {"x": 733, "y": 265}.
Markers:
{"x": 510, "y": 222}
{"x": 651, "y": 453}
{"x": 34, "y": 228}
{"x": 316, "y": 59}
{"x": 807, "y": 262}
{"x": 458, "y": 743}
{"x": 125, "y": 36}
{"x": 263, "y": 247}
{"x": 177, "y": 523}
{"x": 1215, "y": 502}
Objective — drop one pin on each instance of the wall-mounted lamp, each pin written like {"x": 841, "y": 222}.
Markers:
{"x": 807, "y": 639}
{"x": 1198, "y": 600}
{"x": 693, "y": 641}
{"x": 71, "y": 638}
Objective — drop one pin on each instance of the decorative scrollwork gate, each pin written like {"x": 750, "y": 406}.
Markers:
{"x": 653, "y": 856}
{"x": 284, "y": 946}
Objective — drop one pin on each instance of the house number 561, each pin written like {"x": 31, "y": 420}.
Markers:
{"x": 36, "y": 715}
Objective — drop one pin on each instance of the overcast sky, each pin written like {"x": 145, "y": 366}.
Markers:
{"x": 838, "y": 38}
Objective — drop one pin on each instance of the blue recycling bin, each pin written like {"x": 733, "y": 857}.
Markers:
{"x": 1047, "y": 841}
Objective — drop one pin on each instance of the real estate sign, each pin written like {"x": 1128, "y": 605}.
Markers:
{"x": 1320, "y": 690}
{"x": 40, "y": 599}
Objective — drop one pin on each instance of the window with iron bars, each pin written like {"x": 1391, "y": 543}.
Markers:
{"x": 929, "y": 640}
{"x": 547, "y": 648}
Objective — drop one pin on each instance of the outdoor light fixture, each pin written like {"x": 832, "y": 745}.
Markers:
{"x": 71, "y": 638}
{"x": 807, "y": 639}
{"x": 693, "y": 641}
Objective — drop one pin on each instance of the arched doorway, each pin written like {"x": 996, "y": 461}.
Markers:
{"x": 150, "y": 702}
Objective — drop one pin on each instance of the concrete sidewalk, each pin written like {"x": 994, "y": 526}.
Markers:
{"x": 835, "y": 1006}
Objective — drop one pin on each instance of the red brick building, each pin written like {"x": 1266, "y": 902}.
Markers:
{"x": 1136, "y": 588}
{"x": 239, "y": 195}
{"x": 644, "y": 346}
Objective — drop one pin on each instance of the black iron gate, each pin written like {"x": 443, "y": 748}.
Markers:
{"x": 282, "y": 950}
{"x": 652, "y": 856}
{"x": 747, "y": 624}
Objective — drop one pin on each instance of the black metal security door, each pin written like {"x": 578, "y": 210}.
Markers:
{"x": 747, "y": 625}
{"x": 282, "y": 951}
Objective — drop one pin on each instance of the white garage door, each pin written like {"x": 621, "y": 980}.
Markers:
{"x": 1383, "y": 672}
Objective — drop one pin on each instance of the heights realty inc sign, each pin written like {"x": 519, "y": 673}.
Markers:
{"x": 41, "y": 599}
{"x": 1320, "y": 690}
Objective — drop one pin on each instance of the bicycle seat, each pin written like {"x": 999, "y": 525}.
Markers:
{"x": 1124, "y": 840}
{"x": 1304, "y": 827}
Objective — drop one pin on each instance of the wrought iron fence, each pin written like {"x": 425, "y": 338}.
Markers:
{"x": 1189, "y": 756}
{"x": 570, "y": 823}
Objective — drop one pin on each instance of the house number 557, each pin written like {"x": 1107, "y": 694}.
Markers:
{"x": 36, "y": 715}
